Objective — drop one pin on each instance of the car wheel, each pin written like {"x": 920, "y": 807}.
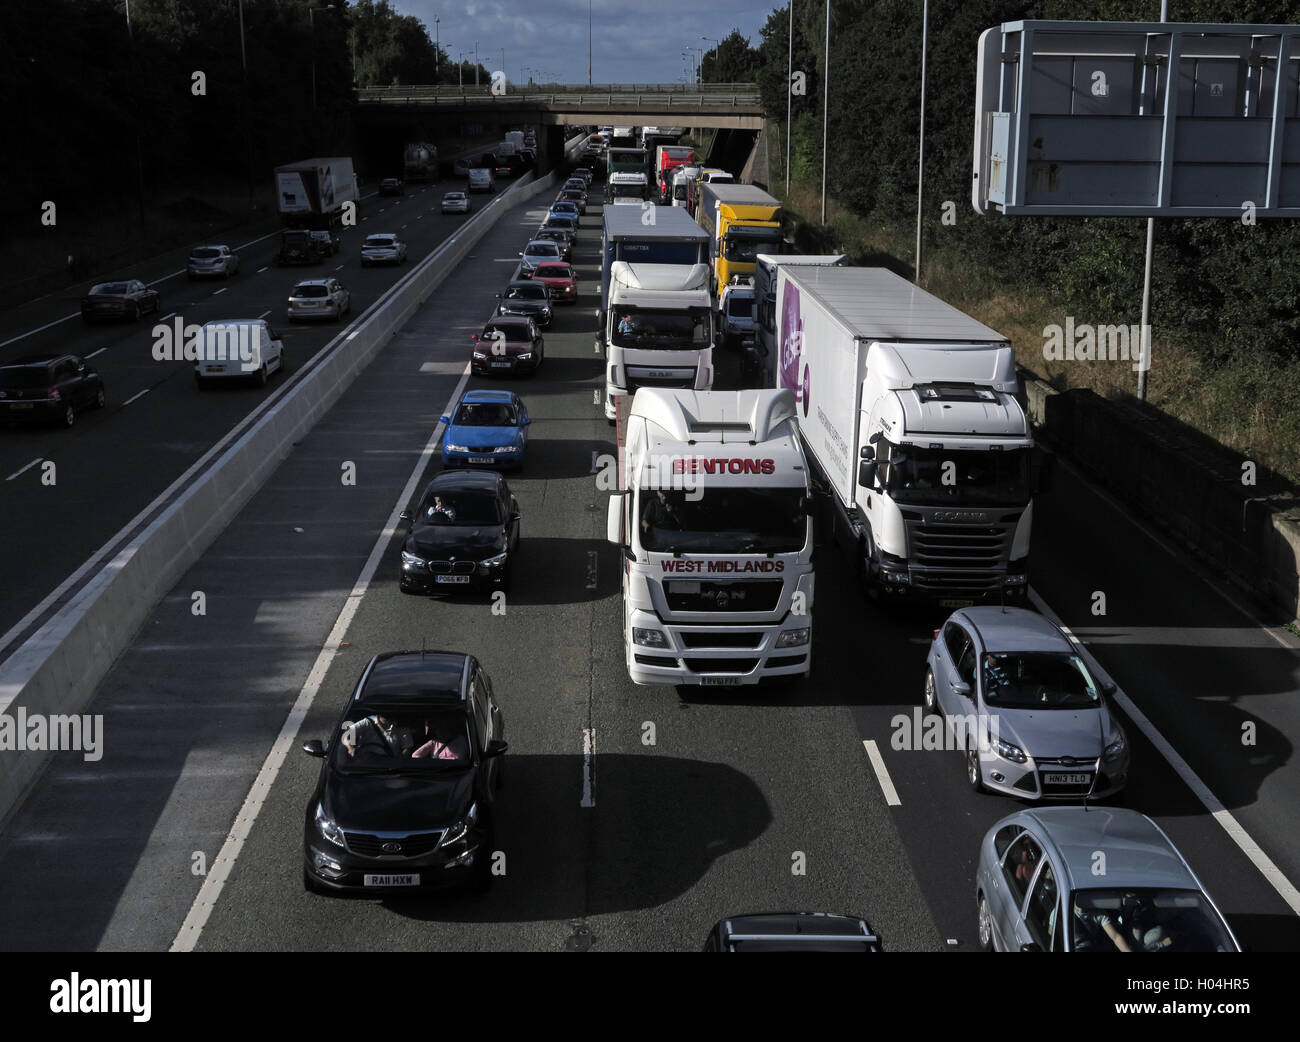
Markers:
{"x": 931, "y": 695}
{"x": 100, "y": 398}
{"x": 973, "y": 778}
{"x": 984, "y": 929}
{"x": 135, "y": 313}
{"x": 69, "y": 415}
{"x": 261, "y": 376}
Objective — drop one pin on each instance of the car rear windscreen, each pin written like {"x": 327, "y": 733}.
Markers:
{"x": 27, "y": 376}
{"x": 310, "y": 291}
{"x": 206, "y": 253}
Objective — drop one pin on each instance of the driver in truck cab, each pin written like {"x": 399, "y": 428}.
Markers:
{"x": 659, "y": 513}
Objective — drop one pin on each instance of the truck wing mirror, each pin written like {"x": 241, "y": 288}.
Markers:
{"x": 614, "y": 519}
{"x": 867, "y": 473}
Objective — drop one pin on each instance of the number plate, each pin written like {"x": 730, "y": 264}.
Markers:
{"x": 719, "y": 681}
{"x": 1067, "y": 779}
{"x": 21, "y": 405}
{"x": 410, "y": 879}
{"x": 451, "y": 578}
{"x": 953, "y": 603}
{"x": 500, "y": 365}
{"x": 480, "y": 459}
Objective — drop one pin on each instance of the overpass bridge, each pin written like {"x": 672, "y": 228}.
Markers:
{"x": 734, "y": 106}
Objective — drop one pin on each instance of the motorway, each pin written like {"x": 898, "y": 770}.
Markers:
{"x": 745, "y": 799}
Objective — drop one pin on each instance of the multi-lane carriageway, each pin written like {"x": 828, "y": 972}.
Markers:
{"x": 611, "y": 842}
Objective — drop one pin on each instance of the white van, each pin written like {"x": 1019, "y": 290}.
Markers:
{"x": 237, "y": 348}
{"x": 481, "y": 179}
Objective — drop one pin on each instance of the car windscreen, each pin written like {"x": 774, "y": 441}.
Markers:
{"x": 485, "y": 414}
{"x": 454, "y": 197}
{"x": 452, "y": 507}
{"x": 205, "y": 253}
{"x": 740, "y": 307}
{"x": 1145, "y": 919}
{"x": 1038, "y": 680}
{"x": 530, "y": 291}
{"x": 432, "y": 739}
{"x": 109, "y": 289}
{"x": 25, "y": 376}
{"x": 723, "y": 520}
{"x": 553, "y": 271}
{"x": 541, "y": 249}
{"x": 310, "y": 291}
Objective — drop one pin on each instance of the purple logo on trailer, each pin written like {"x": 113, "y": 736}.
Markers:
{"x": 791, "y": 348}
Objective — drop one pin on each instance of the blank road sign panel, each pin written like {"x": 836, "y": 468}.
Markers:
{"x": 1075, "y": 118}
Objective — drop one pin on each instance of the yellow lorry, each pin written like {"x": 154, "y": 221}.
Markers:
{"x": 742, "y": 221}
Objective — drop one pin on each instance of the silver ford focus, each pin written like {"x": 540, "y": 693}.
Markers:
{"x": 1029, "y": 716}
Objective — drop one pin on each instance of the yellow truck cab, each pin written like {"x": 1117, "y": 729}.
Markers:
{"x": 742, "y": 221}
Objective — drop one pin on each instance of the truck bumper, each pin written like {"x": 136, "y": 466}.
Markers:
{"x": 743, "y": 654}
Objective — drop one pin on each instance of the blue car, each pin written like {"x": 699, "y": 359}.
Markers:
{"x": 486, "y": 429}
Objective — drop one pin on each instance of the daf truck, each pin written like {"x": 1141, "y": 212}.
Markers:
{"x": 712, "y": 515}
{"x": 765, "y": 265}
{"x": 313, "y": 192}
{"x": 908, "y": 412}
{"x": 742, "y": 221}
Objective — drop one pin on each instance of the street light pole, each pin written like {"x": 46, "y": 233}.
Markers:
{"x": 789, "y": 74}
{"x": 476, "y": 63}
{"x": 588, "y": 43}
{"x": 710, "y": 39}
{"x": 437, "y": 46}
{"x": 826, "y": 100}
{"x": 920, "y": 155}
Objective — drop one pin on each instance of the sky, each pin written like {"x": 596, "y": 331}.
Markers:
{"x": 631, "y": 42}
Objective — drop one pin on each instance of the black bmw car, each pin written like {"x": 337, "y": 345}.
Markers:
{"x": 463, "y": 536}
{"x": 409, "y": 779}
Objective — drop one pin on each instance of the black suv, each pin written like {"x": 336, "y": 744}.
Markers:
{"x": 409, "y": 780}
{"x": 49, "y": 387}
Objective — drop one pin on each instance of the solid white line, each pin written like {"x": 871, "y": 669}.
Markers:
{"x": 133, "y": 397}
{"x": 882, "y": 773}
{"x": 97, "y": 351}
{"x": 25, "y": 469}
{"x": 38, "y": 329}
{"x": 260, "y": 270}
{"x": 218, "y": 292}
{"x": 167, "y": 316}
{"x": 206, "y": 899}
{"x": 1286, "y": 890}
{"x": 340, "y": 267}
{"x": 588, "y": 749}
{"x": 264, "y": 314}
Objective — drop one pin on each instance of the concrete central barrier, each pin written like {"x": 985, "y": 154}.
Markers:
{"x": 56, "y": 672}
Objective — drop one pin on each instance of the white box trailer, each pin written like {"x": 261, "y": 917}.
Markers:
{"x": 311, "y": 193}
{"x": 765, "y": 303}
{"x": 908, "y": 410}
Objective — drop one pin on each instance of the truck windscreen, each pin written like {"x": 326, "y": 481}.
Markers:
{"x": 746, "y": 248}
{"x": 944, "y": 476}
{"x": 723, "y": 520}
{"x": 662, "y": 330}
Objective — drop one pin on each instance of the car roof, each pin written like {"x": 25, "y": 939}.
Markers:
{"x": 1138, "y": 853}
{"x": 486, "y": 395}
{"x": 312, "y": 282}
{"x": 382, "y": 235}
{"x": 509, "y": 321}
{"x": 785, "y": 930}
{"x": 235, "y": 322}
{"x": 469, "y": 480}
{"x": 1015, "y": 629}
{"x": 210, "y": 246}
{"x": 397, "y": 677}
{"x": 544, "y": 242}
{"x": 555, "y": 264}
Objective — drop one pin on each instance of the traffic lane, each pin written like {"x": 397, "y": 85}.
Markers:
{"x": 191, "y": 708}
{"x": 170, "y": 427}
{"x": 1216, "y": 685}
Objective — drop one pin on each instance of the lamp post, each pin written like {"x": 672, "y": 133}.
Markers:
{"x": 460, "y": 71}
{"x": 789, "y": 73}
{"x": 826, "y": 98}
{"x": 920, "y": 153}
{"x": 476, "y": 63}
{"x": 437, "y": 47}
{"x": 716, "y": 43}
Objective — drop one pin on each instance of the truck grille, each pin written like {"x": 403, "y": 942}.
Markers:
{"x": 633, "y": 382}
{"x": 720, "y": 665}
{"x": 959, "y": 557}
{"x": 753, "y": 595}
{"x": 728, "y": 639}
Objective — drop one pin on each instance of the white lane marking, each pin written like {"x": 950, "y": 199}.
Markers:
{"x": 218, "y": 292}
{"x": 38, "y": 329}
{"x": 1285, "y": 888}
{"x": 264, "y": 314}
{"x": 588, "y": 750}
{"x": 882, "y": 773}
{"x": 24, "y": 469}
{"x": 591, "y": 569}
{"x": 171, "y": 314}
{"x": 341, "y": 267}
{"x": 98, "y": 351}
{"x": 260, "y": 270}
{"x": 206, "y": 899}
{"x": 139, "y": 394}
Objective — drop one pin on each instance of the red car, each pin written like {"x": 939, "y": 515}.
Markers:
{"x": 560, "y": 279}
{"x": 508, "y": 344}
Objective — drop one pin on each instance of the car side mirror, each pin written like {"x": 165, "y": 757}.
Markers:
{"x": 314, "y": 748}
{"x": 444, "y": 419}
{"x": 405, "y": 515}
{"x": 1031, "y": 946}
{"x": 496, "y": 747}
{"x": 1108, "y": 687}
{"x": 499, "y": 296}
{"x": 528, "y": 421}
{"x": 961, "y": 687}
{"x": 867, "y": 473}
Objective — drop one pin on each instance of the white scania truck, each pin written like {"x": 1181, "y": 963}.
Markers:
{"x": 712, "y": 515}
{"x": 908, "y": 411}
{"x": 654, "y": 324}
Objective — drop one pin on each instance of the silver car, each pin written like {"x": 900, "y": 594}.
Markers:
{"x": 538, "y": 251}
{"x": 455, "y": 202}
{"x": 1095, "y": 879}
{"x": 319, "y": 298}
{"x": 384, "y": 248}
{"x": 212, "y": 260}
{"x": 1029, "y": 716}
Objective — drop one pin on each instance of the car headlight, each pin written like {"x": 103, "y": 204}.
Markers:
{"x": 525, "y": 356}
{"x": 793, "y": 638}
{"x": 410, "y": 560}
{"x": 480, "y": 354}
{"x": 1116, "y": 749}
{"x": 459, "y": 830}
{"x": 506, "y": 449}
{"x": 1009, "y": 752}
{"x": 456, "y": 448}
{"x": 649, "y": 638}
{"x": 495, "y": 562}
{"x": 327, "y": 828}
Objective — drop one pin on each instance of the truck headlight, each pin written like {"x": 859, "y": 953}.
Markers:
{"x": 410, "y": 560}
{"x": 649, "y": 638}
{"x": 1009, "y": 752}
{"x": 793, "y": 638}
{"x": 327, "y": 828}
{"x": 901, "y": 578}
{"x": 1014, "y": 580}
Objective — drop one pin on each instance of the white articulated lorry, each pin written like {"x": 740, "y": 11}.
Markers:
{"x": 908, "y": 412}
{"x": 654, "y": 324}
{"x": 765, "y": 268}
{"x": 712, "y": 515}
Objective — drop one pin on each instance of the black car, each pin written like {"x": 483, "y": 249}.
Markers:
{"x": 49, "y": 388}
{"x": 391, "y": 186}
{"x": 792, "y": 932}
{"x": 561, "y": 238}
{"x": 463, "y": 536}
{"x": 409, "y": 781}
{"x": 563, "y": 222}
{"x": 130, "y": 298}
{"x": 527, "y": 298}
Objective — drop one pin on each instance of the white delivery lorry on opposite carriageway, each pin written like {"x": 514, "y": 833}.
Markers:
{"x": 908, "y": 409}
{"x": 712, "y": 515}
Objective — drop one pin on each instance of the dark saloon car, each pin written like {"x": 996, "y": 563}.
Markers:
{"x": 462, "y": 536}
{"x": 46, "y": 388}
{"x": 130, "y": 298}
{"x": 409, "y": 779}
{"x": 508, "y": 344}
{"x": 523, "y": 297}
{"x": 392, "y": 186}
